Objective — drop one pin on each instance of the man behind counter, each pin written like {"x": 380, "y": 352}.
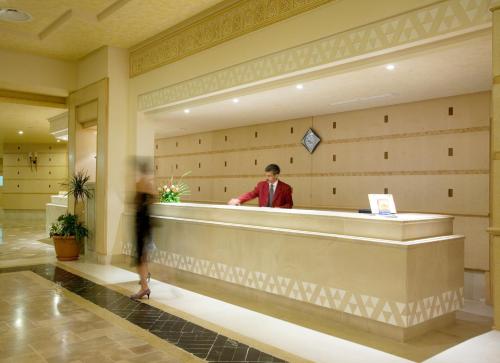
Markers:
{"x": 271, "y": 192}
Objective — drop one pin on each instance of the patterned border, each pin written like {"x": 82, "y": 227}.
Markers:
{"x": 438, "y": 20}
{"x": 370, "y": 307}
{"x": 238, "y": 19}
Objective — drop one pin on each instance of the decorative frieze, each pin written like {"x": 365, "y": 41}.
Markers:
{"x": 233, "y": 21}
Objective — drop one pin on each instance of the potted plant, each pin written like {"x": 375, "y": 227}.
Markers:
{"x": 67, "y": 233}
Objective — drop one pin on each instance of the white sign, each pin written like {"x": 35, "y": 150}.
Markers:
{"x": 382, "y": 203}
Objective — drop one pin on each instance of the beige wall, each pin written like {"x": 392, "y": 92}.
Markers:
{"x": 86, "y": 150}
{"x": 418, "y": 171}
{"x": 31, "y": 73}
{"x": 27, "y": 188}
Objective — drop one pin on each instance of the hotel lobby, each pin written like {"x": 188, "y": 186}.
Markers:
{"x": 321, "y": 181}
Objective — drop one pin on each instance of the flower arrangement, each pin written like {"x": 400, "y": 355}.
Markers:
{"x": 173, "y": 190}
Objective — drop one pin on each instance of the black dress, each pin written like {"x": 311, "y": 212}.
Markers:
{"x": 142, "y": 225}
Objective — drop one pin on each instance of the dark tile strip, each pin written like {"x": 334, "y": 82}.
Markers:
{"x": 201, "y": 342}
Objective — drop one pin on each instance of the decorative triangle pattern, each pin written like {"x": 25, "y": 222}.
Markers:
{"x": 372, "y": 307}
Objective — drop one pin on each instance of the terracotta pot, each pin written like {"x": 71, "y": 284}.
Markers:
{"x": 67, "y": 249}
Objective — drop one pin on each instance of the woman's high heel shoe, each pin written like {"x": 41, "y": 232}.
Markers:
{"x": 141, "y": 294}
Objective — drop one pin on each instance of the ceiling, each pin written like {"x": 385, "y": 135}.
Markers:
{"x": 32, "y": 120}
{"x": 458, "y": 67}
{"x": 123, "y": 23}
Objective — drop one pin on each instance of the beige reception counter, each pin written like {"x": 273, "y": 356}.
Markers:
{"x": 399, "y": 276}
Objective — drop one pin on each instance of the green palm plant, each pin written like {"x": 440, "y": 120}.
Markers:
{"x": 77, "y": 187}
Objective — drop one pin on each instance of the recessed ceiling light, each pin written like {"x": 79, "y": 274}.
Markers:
{"x": 58, "y": 140}
{"x": 390, "y": 67}
{"x": 187, "y": 110}
{"x": 299, "y": 86}
{"x": 14, "y": 15}
{"x": 235, "y": 100}
{"x": 20, "y": 132}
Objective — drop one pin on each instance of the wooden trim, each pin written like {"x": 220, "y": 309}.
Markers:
{"x": 39, "y": 152}
{"x": 34, "y": 99}
{"x": 39, "y": 166}
{"x": 340, "y": 174}
{"x": 35, "y": 179}
{"x": 29, "y": 193}
{"x": 467, "y": 269}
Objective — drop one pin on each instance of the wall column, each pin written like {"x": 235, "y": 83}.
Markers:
{"x": 495, "y": 170}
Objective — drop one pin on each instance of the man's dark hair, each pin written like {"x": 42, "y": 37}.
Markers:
{"x": 273, "y": 168}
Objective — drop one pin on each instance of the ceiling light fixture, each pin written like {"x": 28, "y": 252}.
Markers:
{"x": 187, "y": 110}
{"x": 235, "y": 100}
{"x": 20, "y": 132}
{"x": 390, "y": 67}
{"x": 299, "y": 86}
{"x": 58, "y": 140}
{"x": 14, "y": 15}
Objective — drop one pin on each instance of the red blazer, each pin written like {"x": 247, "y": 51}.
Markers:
{"x": 282, "y": 195}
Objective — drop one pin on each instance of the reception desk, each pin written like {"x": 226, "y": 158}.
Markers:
{"x": 398, "y": 276}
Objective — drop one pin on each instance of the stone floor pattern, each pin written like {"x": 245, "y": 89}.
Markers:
{"x": 19, "y": 240}
{"x": 200, "y": 342}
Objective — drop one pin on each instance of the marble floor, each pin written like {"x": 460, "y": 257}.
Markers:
{"x": 81, "y": 323}
{"x": 40, "y": 322}
{"x": 20, "y": 243}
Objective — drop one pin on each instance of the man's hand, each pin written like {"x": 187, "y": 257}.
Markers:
{"x": 234, "y": 201}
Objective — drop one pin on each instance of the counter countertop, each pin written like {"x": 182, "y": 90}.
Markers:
{"x": 401, "y": 217}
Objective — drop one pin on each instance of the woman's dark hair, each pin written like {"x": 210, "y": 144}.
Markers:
{"x": 273, "y": 168}
{"x": 144, "y": 165}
